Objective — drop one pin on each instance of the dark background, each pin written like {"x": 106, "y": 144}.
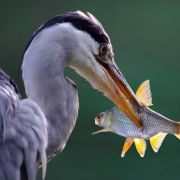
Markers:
{"x": 146, "y": 41}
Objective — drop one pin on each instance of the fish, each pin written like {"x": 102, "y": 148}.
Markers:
{"x": 155, "y": 126}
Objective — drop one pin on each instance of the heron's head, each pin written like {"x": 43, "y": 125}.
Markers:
{"x": 78, "y": 40}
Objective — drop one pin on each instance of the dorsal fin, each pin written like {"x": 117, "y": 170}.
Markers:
{"x": 143, "y": 94}
{"x": 140, "y": 146}
{"x": 157, "y": 140}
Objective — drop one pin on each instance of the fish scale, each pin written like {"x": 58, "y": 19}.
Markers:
{"x": 152, "y": 124}
{"x": 123, "y": 127}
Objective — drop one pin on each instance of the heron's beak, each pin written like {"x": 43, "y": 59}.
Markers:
{"x": 119, "y": 90}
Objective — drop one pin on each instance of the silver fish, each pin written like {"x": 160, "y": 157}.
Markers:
{"x": 155, "y": 126}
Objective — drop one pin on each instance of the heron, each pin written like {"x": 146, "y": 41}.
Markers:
{"x": 49, "y": 113}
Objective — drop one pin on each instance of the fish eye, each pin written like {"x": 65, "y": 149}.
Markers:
{"x": 99, "y": 116}
{"x": 103, "y": 49}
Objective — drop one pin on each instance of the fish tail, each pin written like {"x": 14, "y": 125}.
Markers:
{"x": 178, "y": 134}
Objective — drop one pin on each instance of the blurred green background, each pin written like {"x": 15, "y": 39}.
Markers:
{"x": 146, "y": 41}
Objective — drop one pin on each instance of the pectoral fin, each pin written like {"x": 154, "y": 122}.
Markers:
{"x": 157, "y": 140}
{"x": 103, "y": 130}
{"x": 143, "y": 94}
{"x": 127, "y": 145}
{"x": 140, "y": 146}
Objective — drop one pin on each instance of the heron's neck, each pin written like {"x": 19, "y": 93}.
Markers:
{"x": 43, "y": 75}
{"x": 44, "y": 80}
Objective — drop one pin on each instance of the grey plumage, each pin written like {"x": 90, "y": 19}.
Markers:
{"x": 23, "y": 134}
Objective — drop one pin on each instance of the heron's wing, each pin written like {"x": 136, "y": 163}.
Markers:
{"x": 24, "y": 146}
{"x": 23, "y": 135}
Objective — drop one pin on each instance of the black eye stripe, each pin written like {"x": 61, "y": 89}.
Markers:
{"x": 79, "y": 22}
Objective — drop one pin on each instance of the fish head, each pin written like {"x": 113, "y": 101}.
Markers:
{"x": 104, "y": 119}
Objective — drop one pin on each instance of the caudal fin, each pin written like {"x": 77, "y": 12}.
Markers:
{"x": 178, "y": 134}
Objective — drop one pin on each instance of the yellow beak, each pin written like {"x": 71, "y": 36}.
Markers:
{"x": 118, "y": 90}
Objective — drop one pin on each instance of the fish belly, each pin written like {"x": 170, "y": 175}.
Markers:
{"x": 123, "y": 126}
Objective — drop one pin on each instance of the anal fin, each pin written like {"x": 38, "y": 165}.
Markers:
{"x": 127, "y": 145}
{"x": 157, "y": 140}
{"x": 140, "y": 146}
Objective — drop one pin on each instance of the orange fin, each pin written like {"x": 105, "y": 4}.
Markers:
{"x": 103, "y": 130}
{"x": 127, "y": 145}
{"x": 140, "y": 146}
{"x": 143, "y": 94}
{"x": 178, "y": 135}
{"x": 157, "y": 140}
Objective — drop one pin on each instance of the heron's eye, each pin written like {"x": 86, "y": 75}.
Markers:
{"x": 103, "y": 49}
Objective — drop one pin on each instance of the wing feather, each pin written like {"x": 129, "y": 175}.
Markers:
{"x": 23, "y": 134}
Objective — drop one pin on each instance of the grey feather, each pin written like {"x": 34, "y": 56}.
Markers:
{"x": 23, "y": 132}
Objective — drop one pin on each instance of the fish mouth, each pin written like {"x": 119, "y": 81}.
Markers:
{"x": 118, "y": 90}
{"x": 97, "y": 123}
